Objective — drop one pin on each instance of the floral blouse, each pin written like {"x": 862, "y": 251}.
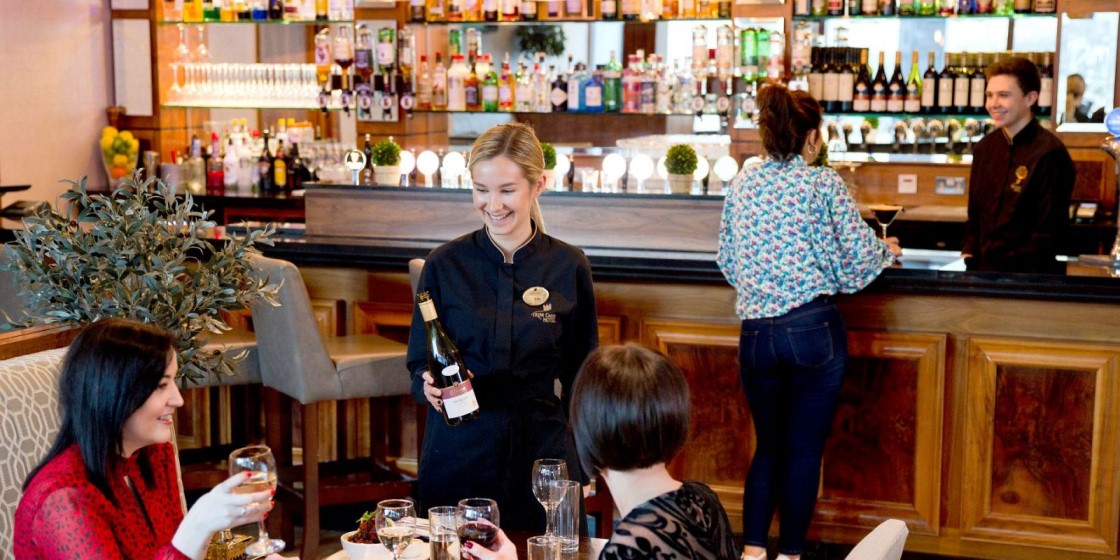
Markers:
{"x": 63, "y": 516}
{"x": 685, "y": 524}
{"x": 789, "y": 233}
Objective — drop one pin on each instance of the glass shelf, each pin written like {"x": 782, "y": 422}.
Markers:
{"x": 559, "y": 20}
{"x": 246, "y": 105}
{"x": 578, "y": 113}
{"x": 954, "y": 16}
{"x": 983, "y": 115}
{"x": 261, "y": 22}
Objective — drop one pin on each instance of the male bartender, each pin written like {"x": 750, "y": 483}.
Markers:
{"x": 1021, "y": 180}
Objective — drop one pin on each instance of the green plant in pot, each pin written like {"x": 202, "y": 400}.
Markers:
{"x": 680, "y": 162}
{"x": 386, "y": 156}
{"x": 141, "y": 253}
{"x": 549, "y": 152}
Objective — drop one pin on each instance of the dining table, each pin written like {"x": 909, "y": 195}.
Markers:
{"x": 589, "y": 549}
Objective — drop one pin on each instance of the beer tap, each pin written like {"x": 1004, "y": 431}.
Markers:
{"x": 847, "y": 129}
{"x": 918, "y": 127}
{"x": 865, "y": 135}
{"x": 1111, "y": 146}
{"x": 936, "y": 128}
{"x": 899, "y": 135}
{"x": 971, "y": 129}
{"x": 953, "y": 128}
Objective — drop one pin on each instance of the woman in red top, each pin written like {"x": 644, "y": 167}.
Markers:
{"x": 108, "y": 487}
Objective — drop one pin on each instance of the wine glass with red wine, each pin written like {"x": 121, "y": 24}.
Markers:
{"x": 476, "y": 519}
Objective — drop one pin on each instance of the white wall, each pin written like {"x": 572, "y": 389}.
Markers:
{"x": 55, "y": 83}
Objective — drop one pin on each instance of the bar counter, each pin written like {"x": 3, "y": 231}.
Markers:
{"x": 980, "y": 408}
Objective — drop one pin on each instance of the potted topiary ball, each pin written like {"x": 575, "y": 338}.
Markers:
{"x": 549, "y": 165}
{"x": 386, "y": 156}
{"x": 680, "y": 162}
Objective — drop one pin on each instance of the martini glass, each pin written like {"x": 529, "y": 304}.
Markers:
{"x": 885, "y": 215}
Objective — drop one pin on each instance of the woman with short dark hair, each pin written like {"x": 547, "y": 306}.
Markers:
{"x": 108, "y": 487}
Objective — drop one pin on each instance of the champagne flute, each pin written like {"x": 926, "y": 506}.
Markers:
{"x": 395, "y": 522}
{"x": 476, "y": 519}
{"x": 885, "y": 215}
{"x": 258, "y": 460}
{"x": 545, "y": 471}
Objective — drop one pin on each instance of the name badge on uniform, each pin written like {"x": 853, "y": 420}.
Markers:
{"x": 535, "y": 296}
{"x": 1020, "y": 175}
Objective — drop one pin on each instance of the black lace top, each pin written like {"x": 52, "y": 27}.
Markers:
{"x": 686, "y": 523}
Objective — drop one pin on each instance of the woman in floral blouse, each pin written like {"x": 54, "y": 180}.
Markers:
{"x": 790, "y": 238}
{"x": 108, "y": 488}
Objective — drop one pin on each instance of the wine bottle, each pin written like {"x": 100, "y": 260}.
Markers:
{"x": 945, "y": 85}
{"x": 929, "y": 87}
{"x": 846, "y": 83}
{"x": 896, "y": 88}
{"x": 1046, "y": 90}
{"x": 490, "y": 10}
{"x": 861, "y": 97}
{"x": 830, "y": 95}
{"x": 978, "y": 83}
{"x": 816, "y": 73}
{"x": 962, "y": 85}
{"x": 879, "y": 87}
{"x": 913, "y": 103}
{"x": 447, "y": 368}
{"x": 264, "y": 165}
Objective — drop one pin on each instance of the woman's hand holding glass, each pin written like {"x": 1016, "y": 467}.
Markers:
{"x": 477, "y": 521}
{"x": 502, "y": 549}
{"x": 395, "y": 523}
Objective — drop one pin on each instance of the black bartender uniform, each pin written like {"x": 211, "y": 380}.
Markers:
{"x": 1018, "y": 201}
{"x": 517, "y": 346}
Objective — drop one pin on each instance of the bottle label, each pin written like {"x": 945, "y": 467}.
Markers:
{"x": 384, "y": 54}
{"x": 458, "y": 399}
{"x": 861, "y": 101}
{"x": 322, "y": 55}
{"x": 558, "y": 97}
{"x": 1045, "y": 92}
{"x": 593, "y": 97}
{"x": 961, "y": 89}
{"x": 945, "y": 93}
{"x": 913, "y": 103}
{"x": 976, "y": 95}
{"x": 928, "y": 94}
{"x": 846, "y": 87}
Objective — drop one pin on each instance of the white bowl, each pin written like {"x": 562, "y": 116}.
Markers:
{"x": 418, "y": 550}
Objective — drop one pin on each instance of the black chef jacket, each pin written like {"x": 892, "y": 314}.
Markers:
{"x": 516, "y": 352}
{"x": 1018, "y": 201}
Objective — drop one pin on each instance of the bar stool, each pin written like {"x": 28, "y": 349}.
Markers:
{"x": 298, "y": 363}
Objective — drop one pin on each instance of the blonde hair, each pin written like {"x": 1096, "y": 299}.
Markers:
{"x": 519, "y": 143}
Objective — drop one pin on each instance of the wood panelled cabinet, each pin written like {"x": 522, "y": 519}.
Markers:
{"x": 1041, "y": 436}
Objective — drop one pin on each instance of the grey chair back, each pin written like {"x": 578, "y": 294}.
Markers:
{"x": 885, "y": 542}
{"x": 12, "y": 302}
{"x": 293, "y": 358}
{"x": 415, "y": 268}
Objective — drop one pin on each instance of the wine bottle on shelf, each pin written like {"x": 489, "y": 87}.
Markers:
{"x": 275, "y": 10}
{"x": 416, "y": 11}
{"x": 1046, "y": 91}
{"x": 929, "y": 87}
{"x": 978, "y": 83}
{"x": 846, "y": 82}
{"x": 861, "y": 90}
{"x": 879, "y": 87}
{"x": 830, "y": 93}
{"x": 945, "y": 85}
{"x": 631, "y": 9}
{"x": 529, "y": 11}
{"x": 913, "y": 102}
{"x": 489, "y": 10}
{"x": 962, "y": 85}
{"x": 609, "y": 9}
{"x": 1022, "y": 6}
{"x": 816, "y": 74}
{"x": 510, "y": 10}
{"x": 264, "y": 167}
{"x": 446, "y": 367}
{"x": 896, "y": 88}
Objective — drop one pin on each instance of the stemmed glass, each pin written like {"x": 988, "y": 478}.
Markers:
{"x": 545, "y": 471}
{"x": 258, "y": 460}
{"x": 885, "y": 215}
{"x": 476, "y": 519}
{"x": 395, "y": 523}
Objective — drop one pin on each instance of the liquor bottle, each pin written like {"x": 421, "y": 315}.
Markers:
{"x": 929, "y": 87}
{"x": 322, "y": 12}
{"x": 764, "y": 53}
{"x": 490, "y": 10}
{"x": 723, "y": 9}
{"x": 906, "y": 8}
{"x": 576, "y": 78}
{"x": 363, "y": 53}
{"x": 631, "y": 9}
{"x": 447, "y": 368}
{"x": 264, "y": 167}
{"x": 983, "y": 6}
{"x": 506, "y": 85}
{"x": 291, "y": 11}
{"x": 1046, "y": 91}
{"x": 609, "y": 9}
{"x": 748, "y": 54}
{"x": 861, "y": 90}
{"x": 437, "y": 10}
{"x": 456, "y": 84}
{"x": 887, "y": 8}
{"x": 820, "y": 7}
{"x": 454, "y": 12}
{"x": 523, "y": 92}
{"x": 1022, "y": 6}
{"x": 592, "y": 94}
{"x": 230, "y": 165}
{"x": 367, "y": 171}
{"x": 280, "y": 168}
{"x": 945, "y": 85}
{"x": 834, "y": 8}
{"x": 275, "y": 10}
{"x": 927, "y": 8}
{"x": 647, "y": 93}
{"x": 416, "y": 11}
{"x": 896, "y": 88}
{"x": 977, "y": 85}
{"x": 913, "y": 102}
{"x": 510, "y": 10}
{"x": 870, "y": 7}
{"x": 879, "y": 87}
{"x": 855, "y": 7}
{"x": 573, "y": 8}
{"x": 489, "y": 87}
{"x": 967, "y": 7}
{"x": 542, "y": 86}
{"x": 962, "y": 85}
{"x": 801, "y": 7}
{"x": 194, "y": 177}
{"x": 558, "y": 94}
{"x": 612, "y": 84}
{"x": 472, "y": 90}
{"x": 946, "y": 8}
{"x": 1043, "y": 6}
{"x": 631, "y": 85}
{"x": 439, "y": 85}
{"x": 529, "y": 11}
{"x": 297, "y": 171}
{"x": 846, "y": 82}
{"x": 215, "y": 174}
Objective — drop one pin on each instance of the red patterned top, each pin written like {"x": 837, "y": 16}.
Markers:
{"x": 63, "y": 515}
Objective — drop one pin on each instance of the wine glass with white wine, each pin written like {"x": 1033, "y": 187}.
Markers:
{"x": 258, "y": 460}
{"x": 395, "y": 523}
{"x": 545, "y": 471}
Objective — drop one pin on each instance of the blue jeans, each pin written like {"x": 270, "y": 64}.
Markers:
{"x": 791, "y": 368}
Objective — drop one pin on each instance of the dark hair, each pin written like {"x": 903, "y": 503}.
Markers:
{"x": 785, "y": 119}
{"x": 630, "y": 409}
{"x": 110, "y": 370}
{"x": 1021, "y": 69}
